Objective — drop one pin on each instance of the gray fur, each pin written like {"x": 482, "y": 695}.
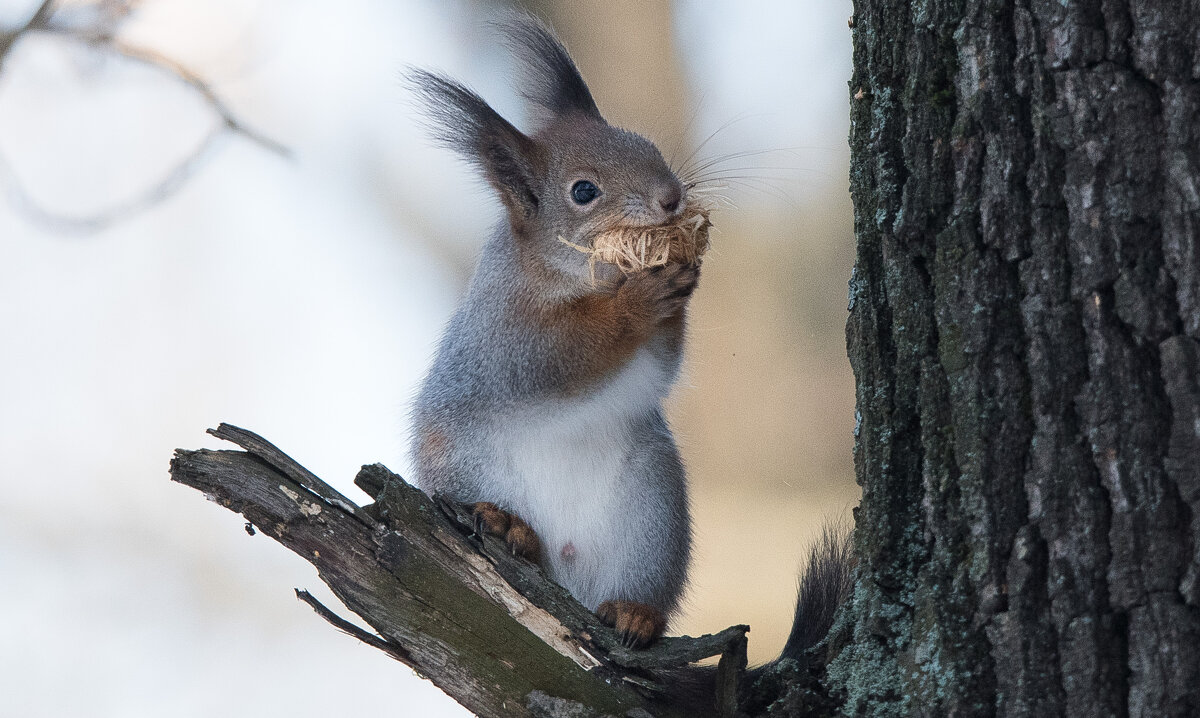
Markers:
{"x": 552, "y": 81}
{"x": 507, "y": 413}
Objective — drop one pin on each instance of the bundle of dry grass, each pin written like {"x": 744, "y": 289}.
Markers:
{"x": 634, "y": 248}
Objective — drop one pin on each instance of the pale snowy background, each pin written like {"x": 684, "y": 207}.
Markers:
{"x": 302, "y": 297}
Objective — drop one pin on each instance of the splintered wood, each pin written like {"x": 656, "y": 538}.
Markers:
{"x": 634, "y": 248}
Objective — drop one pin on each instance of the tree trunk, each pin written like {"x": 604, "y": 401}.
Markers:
{"x": 1025, "y": 317}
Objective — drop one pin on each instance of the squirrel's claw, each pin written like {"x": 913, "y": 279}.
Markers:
{"x": 521, "y": 540}
{"x": 476, "y": 526}
{"x": 637, "y": 624}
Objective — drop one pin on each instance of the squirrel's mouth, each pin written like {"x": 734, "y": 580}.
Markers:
{"x": 683, "y": 240}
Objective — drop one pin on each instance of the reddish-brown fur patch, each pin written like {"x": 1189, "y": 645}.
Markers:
{"x": 522, "y": 540}
{"x": 597, "y": 333}
{"x": 493, "y": 520}
{"x": 433, "y": 449}
{"x": 638, "y": 624}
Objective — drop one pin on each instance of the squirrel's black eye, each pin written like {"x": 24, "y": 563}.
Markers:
{"x": 583, "y": 192}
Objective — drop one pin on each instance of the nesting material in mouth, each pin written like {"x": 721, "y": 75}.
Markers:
{"x": 632, "y": 249}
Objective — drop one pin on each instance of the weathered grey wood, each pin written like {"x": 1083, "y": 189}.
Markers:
{"x": 439, "y": 599}
{"x": 527, "y": 578}
{"x": 1024, "y": 330}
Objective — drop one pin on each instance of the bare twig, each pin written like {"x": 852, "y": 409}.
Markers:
{"x": 23, "y": 201}
{"x": 37, "y": 21}
{"x": 100, "y": 35}
{"x": 391, "y": 648}
{"x": 157, "y": 60}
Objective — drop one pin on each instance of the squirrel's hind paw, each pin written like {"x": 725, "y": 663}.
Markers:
{"x": 637, "y": 624}
{"x": 521, "y": 539}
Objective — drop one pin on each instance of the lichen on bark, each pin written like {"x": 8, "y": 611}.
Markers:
{"x": 1025, "y": 318}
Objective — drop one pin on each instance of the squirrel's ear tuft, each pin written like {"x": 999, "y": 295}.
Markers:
{"x": 552, "y": 80}
{"x": 461, "y": 120}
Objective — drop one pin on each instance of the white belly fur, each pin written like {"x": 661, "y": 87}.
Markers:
{"x": 563, "y": 465}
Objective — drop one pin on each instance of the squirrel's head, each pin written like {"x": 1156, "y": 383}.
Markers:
{"x": 571, "y": 178}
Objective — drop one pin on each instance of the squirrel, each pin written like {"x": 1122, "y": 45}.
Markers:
{"x": 543, "y": 405}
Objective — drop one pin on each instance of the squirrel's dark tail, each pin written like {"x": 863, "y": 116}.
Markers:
{"x": 824, "y": 586}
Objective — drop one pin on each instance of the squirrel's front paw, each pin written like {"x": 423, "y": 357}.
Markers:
{"x": 665, "y": 289}
{"x": 521, "y": 539}
{"x": 636, "y": 623}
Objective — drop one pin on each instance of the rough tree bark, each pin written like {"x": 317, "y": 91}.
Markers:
{"x": 1025, "y": 317}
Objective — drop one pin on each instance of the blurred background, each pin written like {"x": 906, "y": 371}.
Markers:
{"x": 161, "y": 272}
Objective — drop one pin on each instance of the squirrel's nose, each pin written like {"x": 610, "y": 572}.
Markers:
{"x": 669, "y": 198}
